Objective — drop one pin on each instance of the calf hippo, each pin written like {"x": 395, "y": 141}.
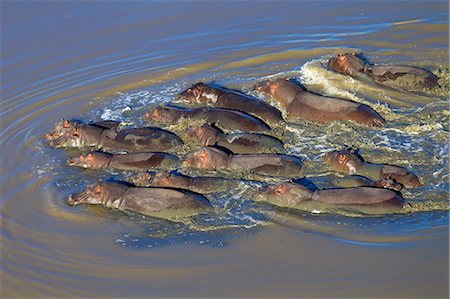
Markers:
{"x": 361, "y": 181}
{"x": 363, "y": 199}
{"x": 202, "y": 185}
{"x": 223, "y": 118}
{"x": 303, "y": 104}
{"x": 108, "y": 138}
{"x": 397, "y": 76}
{"x": 347, "y": 161}
{"x": 157, "y": 202}
{"x": 133, "y": 161}
{"x": 265, "y": 164}
{"x": 221, "y": 97}
{"x": 238, "y": 143}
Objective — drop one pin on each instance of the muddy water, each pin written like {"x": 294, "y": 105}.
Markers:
{"x": 110, "y": 60}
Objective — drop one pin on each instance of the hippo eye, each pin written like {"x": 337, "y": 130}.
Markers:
{"x": 75, "y": 132}
{"x": 98, "y": 190}
{"x": 155, "y": 114}
{"x": 342, "y": 159}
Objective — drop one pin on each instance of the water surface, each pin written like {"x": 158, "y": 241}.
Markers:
{"x": 112, "y": 60}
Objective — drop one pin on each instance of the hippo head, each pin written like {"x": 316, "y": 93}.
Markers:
{"x": 93, "y": 160}
{"x": 143, "y": 179}
{"x": 347, "y": 64}
{"x": 163, "y": 114}
{"x": 93, "y": 194}
{"x": 283, "y": 195}
{"x": 207, "y": 157}
{"x": 267, "y": 87}
{"x": 388, "y": 183}
{"x": 200, "y": 93}
{"x": 64, "y": 134}
{"x": 346, "y": 161}
{"x": 205, "y": 134}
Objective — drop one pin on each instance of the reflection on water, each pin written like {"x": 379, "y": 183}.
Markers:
{"x": 112, "y": 60}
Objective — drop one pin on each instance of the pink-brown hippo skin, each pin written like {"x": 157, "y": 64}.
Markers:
{"x": 303, "y": 104}
{"x": 157, "y": 202}
{"x": 238, "y": 143}
{"x": 224, "y": 118}
{"x": 368, "y": 200}
{"x": 132, "y": 161}
{"x": 266, "y": 164}
{"x": 361, "y": 181}
{"x": 221, "y": 97}
{"x": 397, "y": 76}
{"x": 69, "y": 134}
{"x": 348, "y": 162}
{"x": 201, "y": 184}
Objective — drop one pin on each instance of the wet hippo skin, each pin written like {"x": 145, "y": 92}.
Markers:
{"x": 347, "y": 161}
{"x": 364, "y": 199}
{"x": 70, "y": 134}
{"x": 221, "y": 97}
{"x": 306, "y": 105}
{"x": 158, "y": 202}
{"x": 224, "y": 118}
{"x": 132, "y": 161}
{"x": 266, "y": 164}
{"x": 397, "y": 76}
{"x": 238, "y": 143}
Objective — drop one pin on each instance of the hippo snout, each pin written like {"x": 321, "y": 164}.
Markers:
{"x": 71, "y": 201}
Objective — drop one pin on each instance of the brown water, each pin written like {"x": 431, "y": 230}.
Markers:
{"x": 111, "y": 59}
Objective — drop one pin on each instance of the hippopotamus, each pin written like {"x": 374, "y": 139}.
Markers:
{"x": 224, "y": 118}
{"x": 266, "y": 164}
{"x": 397, "y": 76}
{"x": 363, "y": 199}
{"x": 201, "y": 184}
{"x": 349, "y": 162}
{"x": 221, "y": 97}
{"x": 108, "y": 138}
{"x": 131, "y": 161}
{"x": 153, "y": 201}
{"x": 238, "y": 143}
{"x": 300, "y": 103}
{"x": 361, "y": 181}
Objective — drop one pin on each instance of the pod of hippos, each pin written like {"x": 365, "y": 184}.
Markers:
{"x": 233, "y": 133}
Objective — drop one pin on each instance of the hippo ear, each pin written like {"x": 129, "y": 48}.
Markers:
{"x": 203, "y": 155}
{"x": 99, "y": 189}
{"x": 66, "y": 124}
{"x": 280, "y": 190}
{"x": 342, "y": 159}
{"x": 75, "y": 132}
{"x": 155, "y": 113}
{"x": 81, "y": 157}
{"x": 351, "y": 150}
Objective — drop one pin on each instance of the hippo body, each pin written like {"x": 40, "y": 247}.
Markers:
{"x": 109, "y": 139}
{"x": 238, "y": 143}
{"x": 347, "y": 161}
{"x": 224, "y": 118}
{"x": 361, "y": 181}
{"x": 303, "y": 104}
{"x": 157, "y": 202}
{"x": 132, "y": 161}
{"x": 397, "y": 76}
{"x": 265, "y": 164}
{"x": 220, "y": 97}
{"x": 202, "y": 185}
{"x": 363, "y": 199}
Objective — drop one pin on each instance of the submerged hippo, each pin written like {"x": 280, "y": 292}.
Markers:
{"x": 361, "y": 181}
{"x": 157, "y": 202}
{"x": 364, "y": 199}
{"x": 347, "y": 161}
{"x": 108, "y": 138}
{"x": 238, "y": 143}
{"x": 133, "y": 161}
{"x": 201, "y": 184}
{"x": 223, "y": 118}
{"x": 221, "y": 97}
{"x": 399, "y": 76}
{"x": 265, "y": 164}
{"x": 303, "y": 104}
